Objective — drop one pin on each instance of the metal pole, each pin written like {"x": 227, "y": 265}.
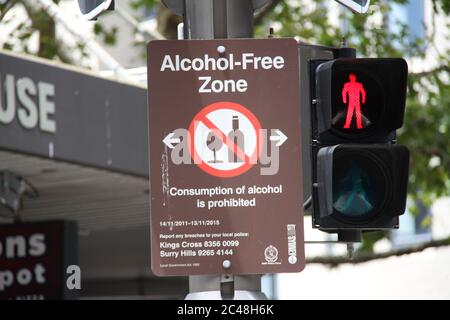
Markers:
{"x": 216, "y": 19}
{"x": 220, "y": 19}
{"x": 225, "y": 287}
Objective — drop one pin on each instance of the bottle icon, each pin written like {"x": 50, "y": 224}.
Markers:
{"x": 237, "y": 137}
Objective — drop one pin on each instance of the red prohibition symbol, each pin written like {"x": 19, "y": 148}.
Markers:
{"x": 225, "y": 139}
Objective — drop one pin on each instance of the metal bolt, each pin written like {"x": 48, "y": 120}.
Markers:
{"x": 314, "y": 101}
{"x": 221, "y": 49}
{"x": 226, "y": 264}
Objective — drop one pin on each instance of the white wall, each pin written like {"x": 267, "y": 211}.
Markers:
{"x": 423, "y": 275}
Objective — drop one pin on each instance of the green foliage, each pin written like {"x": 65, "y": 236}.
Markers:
{"x": 427, "y": 120}
{"x": 109, "y": 37}
{"x": 369, "y": 239}
{"x": 43, "y": 25}
{"x": 144, "y": 3}
{"x": 443, "y": 4}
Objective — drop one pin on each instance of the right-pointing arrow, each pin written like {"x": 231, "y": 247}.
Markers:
{"x": 280, "y": 137}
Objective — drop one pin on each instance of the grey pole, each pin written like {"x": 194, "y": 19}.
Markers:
{"x": 216, "y": 19}
{"x": 220, "y": 19}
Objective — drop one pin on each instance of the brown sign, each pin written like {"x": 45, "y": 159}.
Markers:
{"x": 225, "y": 161}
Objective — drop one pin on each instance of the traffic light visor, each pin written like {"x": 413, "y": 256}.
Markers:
{"x": 357, "y": 183}
{"x": 360, "y": 97}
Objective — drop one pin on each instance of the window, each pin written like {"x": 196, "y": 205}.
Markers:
{"x": 411, "y": 14}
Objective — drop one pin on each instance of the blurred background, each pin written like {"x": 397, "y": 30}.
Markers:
{"x": 111, "y": 206}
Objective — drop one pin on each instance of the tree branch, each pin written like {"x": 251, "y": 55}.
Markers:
{"x": 429, "y": 72}
{"x": 265, "y": 11}
{"x": 64, "y": 54}
{"x": 335, "y": 261}
{"x": 6, "y": 7}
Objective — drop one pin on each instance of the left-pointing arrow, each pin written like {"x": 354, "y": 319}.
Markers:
{"x": 169, "y": 140}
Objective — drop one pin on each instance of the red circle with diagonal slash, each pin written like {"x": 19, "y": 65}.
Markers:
{"x": 202, "y": 117}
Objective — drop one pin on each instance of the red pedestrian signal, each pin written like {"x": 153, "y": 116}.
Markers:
{"x": 354, "y": 94}
{"x": 360, "y": 98}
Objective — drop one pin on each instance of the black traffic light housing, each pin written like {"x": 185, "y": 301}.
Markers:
{"x": 361, "y": 186}
{"x": 360, "y": 175}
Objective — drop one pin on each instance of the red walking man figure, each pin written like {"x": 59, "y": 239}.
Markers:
{"x": 354, "y": 90}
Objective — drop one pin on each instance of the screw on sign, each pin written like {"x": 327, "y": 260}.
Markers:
{"x": 232, "y": 133}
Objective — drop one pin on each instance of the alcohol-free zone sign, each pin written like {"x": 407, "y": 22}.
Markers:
{"x": 225, "y": 157}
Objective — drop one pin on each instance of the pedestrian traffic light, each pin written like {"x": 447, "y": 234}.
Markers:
{"x": 359, "y": 173}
